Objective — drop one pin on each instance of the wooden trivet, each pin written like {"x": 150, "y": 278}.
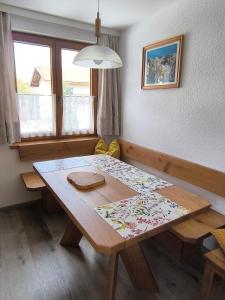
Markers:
{"x": 86, "y": 180}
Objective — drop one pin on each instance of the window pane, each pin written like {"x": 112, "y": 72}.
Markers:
{"x": 34, "y": 87}
{"x": 33, "y": 69}
{"x": 77, "y": 102}
{"x": 78, "y": 115}
{"x": 76, "y": 80}
{"x": 37, "y": 115}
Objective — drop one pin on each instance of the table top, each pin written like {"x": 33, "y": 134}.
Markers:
{"x": 79, "y": 205}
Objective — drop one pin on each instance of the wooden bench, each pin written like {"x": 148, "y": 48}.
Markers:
{"x": 215, "y": 264}
{"x": 33, "y": 182}
{"x": 186, "y": 238}
{"x": 199, "y": 227}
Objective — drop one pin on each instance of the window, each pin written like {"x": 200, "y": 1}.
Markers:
{"x": 55, "y": 97}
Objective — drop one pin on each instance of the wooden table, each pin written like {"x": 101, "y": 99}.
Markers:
{"x": 84, "y": 221}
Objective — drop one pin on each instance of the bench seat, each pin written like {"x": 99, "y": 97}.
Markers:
{"x": 33, "y": 181}
{"x": 185, "y": 239}
{"x": 199, "y": 227}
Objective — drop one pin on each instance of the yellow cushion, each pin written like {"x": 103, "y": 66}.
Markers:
{"x": 101, "y": 147}
{"x": 114, "y": 149}
{"x": 219, "y": 235}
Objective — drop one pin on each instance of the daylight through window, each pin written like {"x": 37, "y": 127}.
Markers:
{"x": 55, "y": 97}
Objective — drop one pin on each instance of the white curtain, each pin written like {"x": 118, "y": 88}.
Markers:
{"x": 9, "y": 119}
{"x": 37, "y": 115}
{"x": 108, "y": 117}
{"x": 78, "y": 115}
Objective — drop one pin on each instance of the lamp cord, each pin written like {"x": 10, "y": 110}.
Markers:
{"x": 98, "y": 26}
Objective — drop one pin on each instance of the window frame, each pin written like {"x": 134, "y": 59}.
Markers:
{"x": 56, "y": 45}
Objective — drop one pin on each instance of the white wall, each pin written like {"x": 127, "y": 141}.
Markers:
{"x": 12, "y": 190}
{"x": 188, "y": 122}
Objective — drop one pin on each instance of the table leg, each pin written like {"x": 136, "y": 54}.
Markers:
{"x": 49, "y": 202}
{"x": 72, "y": 235}
{"x": 112, "y": 276}
{"x": 138, "y": 268}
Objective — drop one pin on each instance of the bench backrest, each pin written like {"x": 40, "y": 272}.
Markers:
{"x": 204, "y": 177}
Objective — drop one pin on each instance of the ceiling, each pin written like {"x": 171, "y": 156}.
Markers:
{"x": 116, "y": 14}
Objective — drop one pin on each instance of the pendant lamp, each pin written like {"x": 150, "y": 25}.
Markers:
{"x": 97, "y": 56}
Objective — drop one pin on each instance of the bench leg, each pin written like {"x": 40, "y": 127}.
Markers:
{"x": 72, "y": 235}
{"x": 112, "y": 276}
{"x": 207, "y": 281}
{"x": 138, "y": 268}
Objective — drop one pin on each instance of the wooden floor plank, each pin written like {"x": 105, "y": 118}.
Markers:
{"x": 17, "y": 268}
{"x": 33, "y": 265}
{"x": 44, "y": 256}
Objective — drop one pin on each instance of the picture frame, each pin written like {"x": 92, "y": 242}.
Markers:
{"x": 161, "y": 64}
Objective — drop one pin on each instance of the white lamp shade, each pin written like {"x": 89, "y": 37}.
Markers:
{"x": 97, "y": 57}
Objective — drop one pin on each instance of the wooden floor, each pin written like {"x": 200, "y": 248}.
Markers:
{"x": 33, "y": 266}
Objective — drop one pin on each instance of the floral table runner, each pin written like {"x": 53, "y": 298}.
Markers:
{"x": 138, "y": 214}
{"x": 131, "y": 176}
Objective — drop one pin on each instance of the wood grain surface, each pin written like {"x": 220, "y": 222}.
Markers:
{"x": 199, "y": 226}
{"x": 53, "y": 149}
{"x": 34, "y": 266}
{"x": 86, "y": 180}
{"x": 32, "y": 181}
{"x": 204, "y": 177}
{"x": 79, "y": 205}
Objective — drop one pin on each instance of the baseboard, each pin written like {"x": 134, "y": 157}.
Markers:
{"x": 20, "y": 205}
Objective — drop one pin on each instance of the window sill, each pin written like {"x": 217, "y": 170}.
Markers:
{"x": 53, "y": 149}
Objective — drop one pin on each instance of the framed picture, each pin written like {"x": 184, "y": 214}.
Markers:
{"x": 161, "y": 64}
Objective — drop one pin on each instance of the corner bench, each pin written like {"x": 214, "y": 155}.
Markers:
{"x": 33, "y": 182}
{"x": 184, "y": 239}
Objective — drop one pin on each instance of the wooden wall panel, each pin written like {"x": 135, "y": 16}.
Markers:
{"x": 57, "y": 148}
{"x": 206, "y": 178}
